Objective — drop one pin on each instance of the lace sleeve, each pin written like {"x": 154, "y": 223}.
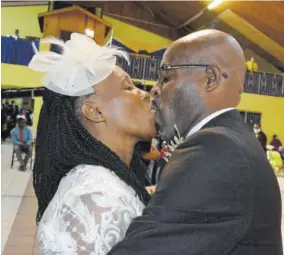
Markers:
{"x": 89, "y": 213}
{"x": 90, "y": 224}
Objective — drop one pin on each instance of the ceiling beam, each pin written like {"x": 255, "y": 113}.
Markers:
{"x": 253, "y": 34}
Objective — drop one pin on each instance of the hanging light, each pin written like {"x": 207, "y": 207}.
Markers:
{"x": 214, "y": 4}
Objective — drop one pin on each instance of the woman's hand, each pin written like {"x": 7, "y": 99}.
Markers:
{"x": 151, "y": 189}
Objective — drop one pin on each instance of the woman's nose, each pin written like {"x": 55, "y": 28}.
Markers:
{"x": 156, "y": 91}
{"x": 146, "y": 96}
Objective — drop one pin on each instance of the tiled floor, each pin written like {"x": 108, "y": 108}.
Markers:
{"x": 19, "y": 208}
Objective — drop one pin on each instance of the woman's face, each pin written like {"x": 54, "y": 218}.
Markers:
{"x": 126, "y": 109}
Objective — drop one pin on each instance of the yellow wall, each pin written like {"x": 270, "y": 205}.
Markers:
{"x": 271, "y": 109}
{"x": 263, "y": 65}
{"x": 16, "y": 76}
{"x": 23, "y": 18}
{"x": 37, "y": 107}
{"x": 136, "y": 38}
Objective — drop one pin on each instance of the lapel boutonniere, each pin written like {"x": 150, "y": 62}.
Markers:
{"x": 168, "y": 149}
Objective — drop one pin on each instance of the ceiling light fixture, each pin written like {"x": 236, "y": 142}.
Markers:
{"x": 214, "y": 4}
{"x": 211, "y": 6}
{"x": 89, "y": 32}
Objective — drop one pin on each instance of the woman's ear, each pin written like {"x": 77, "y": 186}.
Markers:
{"x": 92, "y": 113}
{"x": 213, "y": 75}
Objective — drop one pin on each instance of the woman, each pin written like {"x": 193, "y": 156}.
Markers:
{"x": 276, "y": 143}
{"x": 87, "y": 176}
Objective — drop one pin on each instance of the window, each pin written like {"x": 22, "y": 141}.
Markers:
{"x": 251, "y": 118}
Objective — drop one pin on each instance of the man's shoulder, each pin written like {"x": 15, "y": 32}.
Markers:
{"x": 28, "y": 129}
{"x": 213, "y": 136}
{"x": 209, "y": 152}
{"x": 263, "y": 134}
{"x": 15, "y": 129}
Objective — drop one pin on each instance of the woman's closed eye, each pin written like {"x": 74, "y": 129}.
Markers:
{"x": 129, "y": 88}
{"x": 129, "y": 85}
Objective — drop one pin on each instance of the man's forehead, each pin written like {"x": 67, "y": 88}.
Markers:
{"x": 177, "y": 53}
{"x": 168, "y": 56}
{"x": 169, "y": 59}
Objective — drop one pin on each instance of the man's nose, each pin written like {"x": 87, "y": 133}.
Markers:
{"x": 156, "y": 91}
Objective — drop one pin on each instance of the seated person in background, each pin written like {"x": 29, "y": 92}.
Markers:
{"x": 276, "y": 143}
{"x": 22, "y": 140}
{"x": 260, "y": 135}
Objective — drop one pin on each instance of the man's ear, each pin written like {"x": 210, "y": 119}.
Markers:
{"x": 92, "y": 113}
{"x": 213, "y": 75}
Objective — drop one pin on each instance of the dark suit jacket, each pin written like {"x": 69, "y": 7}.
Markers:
{"x": 218, "y": 195}
{"x": 262, "y": 138}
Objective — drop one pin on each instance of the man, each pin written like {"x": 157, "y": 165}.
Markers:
{"x": 16, "y": 34}
{"x": 218, "y": 193}
{"x": 260, "y": 135}
{"x": 252, "y": 66}
{"x": 22, "y": 140}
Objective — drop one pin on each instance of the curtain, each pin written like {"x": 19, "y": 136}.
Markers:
{"x": 17, "y": 52}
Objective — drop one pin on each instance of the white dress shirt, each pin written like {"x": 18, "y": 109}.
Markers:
{"x": 203, "y": 122}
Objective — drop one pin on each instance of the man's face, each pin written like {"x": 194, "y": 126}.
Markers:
{"x": 21, "y": 123}
{"x": 256, "y": 128}
{"x": 177, "y": 101}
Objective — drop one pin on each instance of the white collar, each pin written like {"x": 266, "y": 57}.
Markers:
{"x": 212, "y": 116}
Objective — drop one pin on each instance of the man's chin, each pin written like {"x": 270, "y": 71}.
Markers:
{"x": 161, "y": 131}
{"x": 161, "y": 135}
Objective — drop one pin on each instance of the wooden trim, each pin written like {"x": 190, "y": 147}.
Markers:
{"x": 23, "y": 3}
{"x": 75, "y": 8}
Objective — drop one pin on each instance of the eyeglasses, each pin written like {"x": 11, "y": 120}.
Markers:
{"x": 164, "y": 68}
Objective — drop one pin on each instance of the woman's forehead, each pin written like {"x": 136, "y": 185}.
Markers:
{"x": 120, "y": 73}
{"x": 112, "y": 83}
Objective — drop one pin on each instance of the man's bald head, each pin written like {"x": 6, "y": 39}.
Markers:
{"x": 203, "y": 46}
{"x": 189, "y": 94}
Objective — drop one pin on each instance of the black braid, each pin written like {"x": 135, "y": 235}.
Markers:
{"x": 63, "y": 143}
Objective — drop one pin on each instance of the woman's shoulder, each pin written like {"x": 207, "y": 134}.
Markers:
{"x": 90, "y": 178}
{"x": 89, "y": 200}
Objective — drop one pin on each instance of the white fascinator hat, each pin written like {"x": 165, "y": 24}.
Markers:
{"x": 81, "y": 65}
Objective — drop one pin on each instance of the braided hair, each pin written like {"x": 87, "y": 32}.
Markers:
{"x": 63, "y": 143}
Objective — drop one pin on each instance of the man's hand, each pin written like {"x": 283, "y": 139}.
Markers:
{"x": 24, "y": 145}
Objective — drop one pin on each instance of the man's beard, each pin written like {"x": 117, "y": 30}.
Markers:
{"x": 160, "y": 133}
{"x": 164, "y": 123}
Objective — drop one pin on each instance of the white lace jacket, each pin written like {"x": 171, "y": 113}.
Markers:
{"x": 89, "y": 213}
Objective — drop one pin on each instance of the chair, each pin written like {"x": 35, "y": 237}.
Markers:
{"x": 275, "y": 159}
{"x": 31, "y": 159}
